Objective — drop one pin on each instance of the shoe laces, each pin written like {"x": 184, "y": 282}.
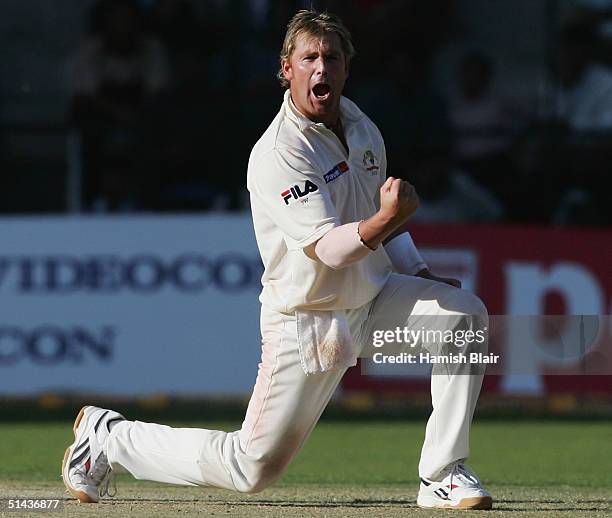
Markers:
{"x": 461, "y": 472}
{"x": 450, "y": 468}
{"x": 104, "y": 485}
{"x": 101, "y": 476}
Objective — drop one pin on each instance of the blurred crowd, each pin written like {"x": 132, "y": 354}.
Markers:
{"x": 170, "y": 96}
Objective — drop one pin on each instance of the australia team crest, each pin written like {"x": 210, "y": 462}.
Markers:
{"x": 370, "y": 162}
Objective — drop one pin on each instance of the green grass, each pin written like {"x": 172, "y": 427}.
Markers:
{"x": 561, "y": 467}
{"x": 514, "y": 454}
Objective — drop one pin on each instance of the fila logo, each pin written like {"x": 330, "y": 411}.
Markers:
{"x": 295, "y": 192}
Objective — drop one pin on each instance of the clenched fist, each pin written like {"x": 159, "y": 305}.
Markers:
{"x": 398, "y": 200}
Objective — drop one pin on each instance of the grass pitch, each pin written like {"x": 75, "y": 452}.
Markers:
{"x": 542, "y": 469}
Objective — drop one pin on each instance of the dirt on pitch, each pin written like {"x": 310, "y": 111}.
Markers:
{"x": 151, "y": 500}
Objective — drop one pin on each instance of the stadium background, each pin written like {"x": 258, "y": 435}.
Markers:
{"x": 128, "y": 267}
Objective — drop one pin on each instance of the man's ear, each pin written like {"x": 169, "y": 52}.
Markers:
{"x": 286, "y": 68}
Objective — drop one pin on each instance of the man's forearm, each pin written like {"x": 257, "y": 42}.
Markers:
{"x": 345, "y": 245}
{"x": 378, "y": 228}
{"x": 339, "y": 248}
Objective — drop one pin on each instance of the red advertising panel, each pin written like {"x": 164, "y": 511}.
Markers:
{"x": 519, "y": 272}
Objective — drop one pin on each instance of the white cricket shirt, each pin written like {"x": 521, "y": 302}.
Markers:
{"x": 303, "y": 184}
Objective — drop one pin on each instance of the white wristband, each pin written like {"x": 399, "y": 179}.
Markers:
{"x": 404, "y": 256}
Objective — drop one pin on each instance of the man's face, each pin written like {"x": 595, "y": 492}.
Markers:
{"x": 317, "y": 71}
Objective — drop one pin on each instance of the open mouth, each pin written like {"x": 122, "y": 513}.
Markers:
{"x": 321, "y": 91}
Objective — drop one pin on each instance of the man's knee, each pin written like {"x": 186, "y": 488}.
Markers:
{"x": 477, "y": 308}
{"x": 470, "y": 316}
{"x": 469, "y": 304}
{"x": 263, "y": 473}
{"x": 262, "y": 470}
{"x": 478, "y": 323}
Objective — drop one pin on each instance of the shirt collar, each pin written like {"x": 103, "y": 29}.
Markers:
{"x": 349, "y": 113}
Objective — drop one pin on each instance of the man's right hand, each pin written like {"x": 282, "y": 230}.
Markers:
{"x": 398, "y": 200}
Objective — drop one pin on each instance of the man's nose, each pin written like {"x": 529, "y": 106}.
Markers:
{"x": 321, "y": 66}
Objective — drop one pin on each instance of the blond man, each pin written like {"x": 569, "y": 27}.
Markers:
{"x": 338, "y": 266}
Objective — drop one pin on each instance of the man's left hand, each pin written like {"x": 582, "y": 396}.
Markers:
{"x": 426, "y": 274}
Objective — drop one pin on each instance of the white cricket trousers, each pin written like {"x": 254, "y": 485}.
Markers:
{"x": 286, "y": 404}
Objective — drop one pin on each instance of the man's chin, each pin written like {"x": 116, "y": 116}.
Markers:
{"x": 323, "y": 110}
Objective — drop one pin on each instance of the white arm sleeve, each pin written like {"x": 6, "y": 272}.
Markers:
{"x": 404, "y": 256}
{"x": 341, "y": 246}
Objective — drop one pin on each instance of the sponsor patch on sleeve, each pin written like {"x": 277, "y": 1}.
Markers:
{"x": 337, "y": 171}
{"x": 296, "y": 192}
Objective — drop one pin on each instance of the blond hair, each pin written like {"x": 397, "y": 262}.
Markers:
{"x": 315, "y": 24}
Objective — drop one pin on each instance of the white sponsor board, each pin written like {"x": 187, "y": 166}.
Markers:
{"x": 129, "y": 305}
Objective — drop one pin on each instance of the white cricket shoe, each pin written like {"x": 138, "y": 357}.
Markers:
{"x": 85, "y": 468}
{"x": 459, "y": 489}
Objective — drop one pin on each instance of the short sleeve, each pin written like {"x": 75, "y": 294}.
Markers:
{"x": 294, "y": 195}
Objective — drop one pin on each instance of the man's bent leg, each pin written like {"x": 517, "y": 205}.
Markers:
{"x": 421, "y": 304}
{"x": 283, "y": 410}
{"x": 454, "y": 390}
